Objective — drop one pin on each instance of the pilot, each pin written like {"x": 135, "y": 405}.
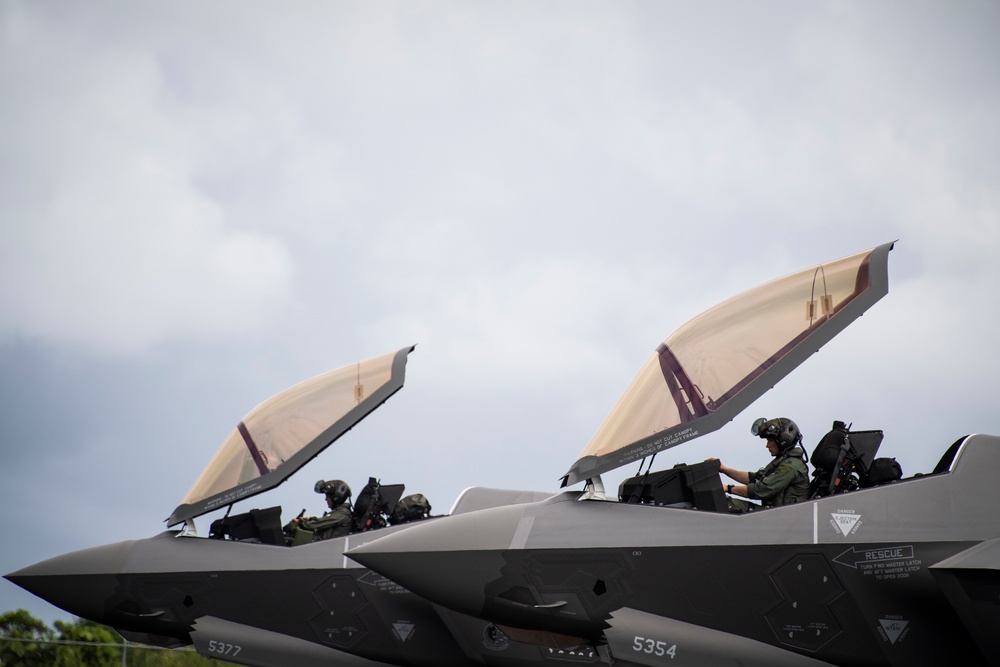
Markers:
{"x": 784, "y": 480}
{"x": 337, "y": 522}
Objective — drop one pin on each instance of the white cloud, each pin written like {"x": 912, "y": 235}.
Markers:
{"x": 109, "y": 244}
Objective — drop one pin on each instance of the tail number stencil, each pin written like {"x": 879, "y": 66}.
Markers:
{"x": 222, "y": 648}
{"x": 654, "y": 647}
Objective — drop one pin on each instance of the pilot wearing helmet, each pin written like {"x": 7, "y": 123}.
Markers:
{"x": 337, "y": 522}
{"x": 784, "y": 480}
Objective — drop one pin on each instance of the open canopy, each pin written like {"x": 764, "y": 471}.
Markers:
{"x": 713, "y": 367}
{"x": 288, "y": 430}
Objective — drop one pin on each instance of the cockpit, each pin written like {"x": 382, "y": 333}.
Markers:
{"x": 377, "y": 506}
{"x": 284, "y": 433}
{"x": 843, "y": 461}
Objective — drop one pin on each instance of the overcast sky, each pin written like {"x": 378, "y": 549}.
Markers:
{"x": 202, "y": 204}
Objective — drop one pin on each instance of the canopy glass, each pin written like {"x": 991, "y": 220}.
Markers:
{"x": 714, "y": 366}
{"x": 283, "y": 433}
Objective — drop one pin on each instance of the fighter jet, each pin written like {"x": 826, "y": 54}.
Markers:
{"x": 243, "y": 594}
{"x": 870, "y": 570}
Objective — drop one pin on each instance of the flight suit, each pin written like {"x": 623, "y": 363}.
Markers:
{"x": 783, "y": 481}
{"x": 335, "y": 523}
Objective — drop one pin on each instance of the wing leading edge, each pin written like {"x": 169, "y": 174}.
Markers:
{"x": 708, "y": 371}
{"x": 289, "y": 429}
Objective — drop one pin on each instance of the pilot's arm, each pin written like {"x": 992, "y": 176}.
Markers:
{"x": 740, "y": 476}
{"x": 736, "y": 490}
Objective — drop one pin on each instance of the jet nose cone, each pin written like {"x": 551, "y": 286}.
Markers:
{"x": 450, "y": 560}
{"x": 79, "y": 582}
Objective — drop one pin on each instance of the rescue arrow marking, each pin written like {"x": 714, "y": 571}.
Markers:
{"x": 855, "y": 556}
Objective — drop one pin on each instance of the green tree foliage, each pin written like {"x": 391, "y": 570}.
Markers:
{"x": 20, "y": 625}
{"x": 83, "y": 647}
{"x": 26, "y": 641}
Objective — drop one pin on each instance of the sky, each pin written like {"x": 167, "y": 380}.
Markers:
{"x": 202, "y": 204}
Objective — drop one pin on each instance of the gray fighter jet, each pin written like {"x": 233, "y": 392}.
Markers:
{"x": 871, "y": 570}
{"x": 244, "y": 594}
{"x": 868, "y": 571}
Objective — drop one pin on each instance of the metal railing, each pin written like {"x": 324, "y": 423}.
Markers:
{"x": 124, "y": 645}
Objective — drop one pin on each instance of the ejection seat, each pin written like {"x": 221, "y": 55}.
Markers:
{"x": 843, "y": 461}
{"x": 375, "y": 502}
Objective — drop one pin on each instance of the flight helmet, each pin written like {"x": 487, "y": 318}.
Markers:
{"x": 782, "y": 430}
{"x": 337, "y": 490}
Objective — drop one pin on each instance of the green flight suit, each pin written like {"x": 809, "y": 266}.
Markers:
{"x": 783, "y": 481}
{"x": 337, "y": 522}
